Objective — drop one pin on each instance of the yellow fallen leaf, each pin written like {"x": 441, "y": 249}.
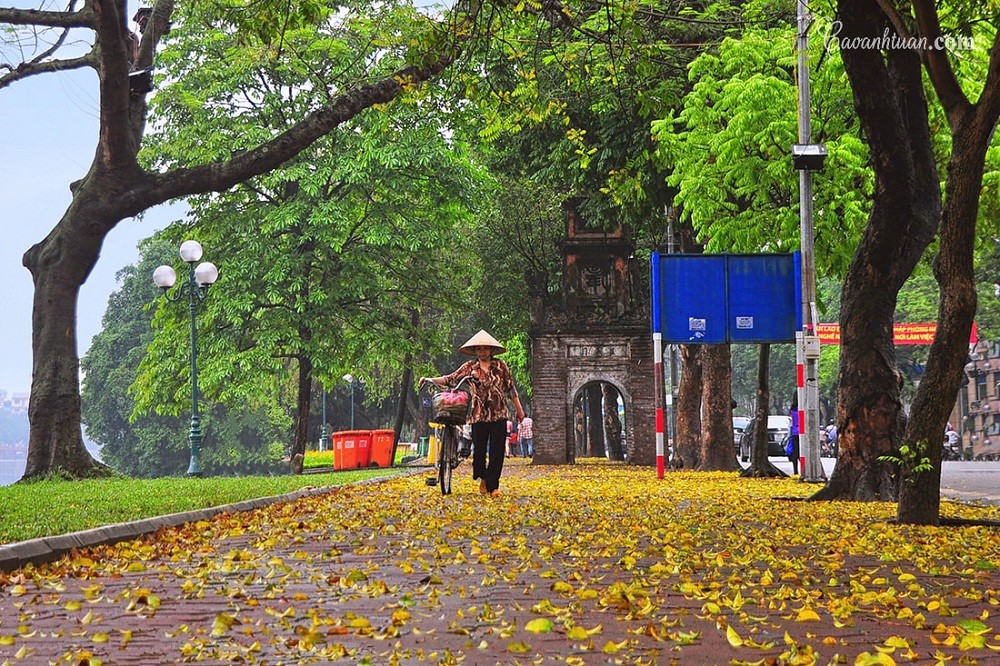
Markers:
{"x": 876, "y": 659}
{"x": 540, "y": 625}
{"x": 518, "y": 647}
{"x": 733, "y": 637}
{"x": 612, "y": 648}
{"x": 972, "y": 642}
{"x": 807, "y": 615}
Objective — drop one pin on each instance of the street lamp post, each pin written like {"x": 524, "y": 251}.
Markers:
{"x": 352, "y": 381}
{"x": 196, "y": 287}
{"x": 324, "y": 433}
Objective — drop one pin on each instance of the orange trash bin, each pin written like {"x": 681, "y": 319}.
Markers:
{"x": 337, "y": 440}
{"x": 381, "y": 447}
{"x": 357, "y": 448}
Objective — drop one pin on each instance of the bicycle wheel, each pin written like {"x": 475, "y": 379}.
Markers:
{"x": 446, "y": 462}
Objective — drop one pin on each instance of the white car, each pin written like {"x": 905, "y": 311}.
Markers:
{"x": 739, "y": 425}
{"x": 778, "y": 428}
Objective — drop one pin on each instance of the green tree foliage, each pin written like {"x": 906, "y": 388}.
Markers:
{"x": 238, "y": 442}
{"x": 343, "y": 243}
{"x": 387, "y": 64}
{"x": 569, "y": 97}
{"x": 729, "y": 147}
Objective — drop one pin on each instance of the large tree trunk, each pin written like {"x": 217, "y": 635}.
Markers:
{"x": 717, "y": 400}
{"x": 971, "y": 126}
{"x": 760, "y": 464}
{"x": 888, "y": 97}
{"x": 59, "y": 265}
{"x": 688, "y": 444}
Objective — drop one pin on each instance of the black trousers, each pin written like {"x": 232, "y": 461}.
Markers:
{"x": 489, "y": 447}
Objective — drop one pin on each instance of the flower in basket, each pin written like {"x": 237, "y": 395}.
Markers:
{"x": 453, "y": 404}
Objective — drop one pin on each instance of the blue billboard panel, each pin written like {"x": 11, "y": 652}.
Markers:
{"x": 762, "y": 301}
{"x": 718, "y": 298}
{"x": 692, "y": 296}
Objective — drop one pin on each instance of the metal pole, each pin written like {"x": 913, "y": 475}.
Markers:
{"x": 194, "y": 468}
{"x": 324, "y": 434}
{"x": 809, "y": 394}
{"x": 352, "y": 403}
{"x": 672, "y": 351}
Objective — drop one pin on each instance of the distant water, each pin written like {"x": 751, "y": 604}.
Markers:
{"x": 11, "y": 470}
{"x": 13, "y": 458}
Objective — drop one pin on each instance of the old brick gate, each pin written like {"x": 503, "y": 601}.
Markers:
{"x": 596, "y": 330}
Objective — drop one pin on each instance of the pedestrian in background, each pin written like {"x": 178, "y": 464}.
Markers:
{"x": 527, "y": 435}
{"x": 792, "y": 447}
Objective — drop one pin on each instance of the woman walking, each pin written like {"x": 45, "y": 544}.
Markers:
{"x": 494, "y": 386}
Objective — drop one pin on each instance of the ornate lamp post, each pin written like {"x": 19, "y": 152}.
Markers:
{"x": 196, "y": 287}
{"x": 324, "y": 433}
{"x": 353, "y": 382}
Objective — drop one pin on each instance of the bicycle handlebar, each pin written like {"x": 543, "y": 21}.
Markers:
{"x": 467, "y": 378}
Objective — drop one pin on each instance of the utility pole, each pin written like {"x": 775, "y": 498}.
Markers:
{"x": 807, "y": 157}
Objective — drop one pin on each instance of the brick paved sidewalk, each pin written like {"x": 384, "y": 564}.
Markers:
{"x": 560, "y": 569}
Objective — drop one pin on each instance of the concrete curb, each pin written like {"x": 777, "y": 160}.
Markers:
{"x": 47, "y": 549}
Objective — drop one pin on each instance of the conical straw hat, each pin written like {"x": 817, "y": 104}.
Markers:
{"x": 481, "y": 339}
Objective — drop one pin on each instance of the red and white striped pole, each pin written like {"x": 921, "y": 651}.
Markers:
{"x": 658, "y": 397}
{"x": 654, "y": 312}
{"x": 800, "y": 374}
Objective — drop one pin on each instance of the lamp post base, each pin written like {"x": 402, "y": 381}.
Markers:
{"x": 194, "y": 468}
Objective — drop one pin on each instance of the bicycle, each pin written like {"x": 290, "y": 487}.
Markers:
{"x": 451, "y": 409}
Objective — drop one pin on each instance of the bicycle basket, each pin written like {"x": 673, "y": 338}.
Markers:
{"x": 451, "y": 407}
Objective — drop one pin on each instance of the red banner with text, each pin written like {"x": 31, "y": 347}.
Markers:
{"x": 902, "y": 334}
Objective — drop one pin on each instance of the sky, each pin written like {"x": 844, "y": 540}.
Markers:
{"x": 47, "y": 138}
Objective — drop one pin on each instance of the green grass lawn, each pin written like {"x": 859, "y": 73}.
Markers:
{"x": 317, "y": 460}
{"x": 48, "y": 508}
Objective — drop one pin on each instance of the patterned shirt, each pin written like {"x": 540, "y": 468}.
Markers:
{"x": 489, "y": 395}
{"x": 526, "y": 428}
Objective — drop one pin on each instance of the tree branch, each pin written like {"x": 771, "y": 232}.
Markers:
{"x": 26, "y": 69}
{"x": 936, "y": 62}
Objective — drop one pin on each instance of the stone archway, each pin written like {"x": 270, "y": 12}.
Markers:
{"x": 599, "y": 429}
{"x": 595, "y": 329}
{"x": 563, "y": 364}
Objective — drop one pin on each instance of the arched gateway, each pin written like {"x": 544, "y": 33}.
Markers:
{"x": 596, "y": 330}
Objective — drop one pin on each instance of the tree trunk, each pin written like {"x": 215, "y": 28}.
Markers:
{"x": 303, "y": 406}
{"x": 404, "y": 391}
{"x": 717, "y": 400}
{"x": 612, "y": 423}
{"x": 760, "y": 464}
{"x": 59, "y": 265}
{"x": 595, "y": 421}
{"x": 888, "y": 97}
{"x": 920, "y": 492}
{"x": 688, "y": 445}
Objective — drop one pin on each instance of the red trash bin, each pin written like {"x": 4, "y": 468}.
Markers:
{"x": 381, "y": 448}
{"x": 337, "y": 440}
{"x": 357, "y": 448}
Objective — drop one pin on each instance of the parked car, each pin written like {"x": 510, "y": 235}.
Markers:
{"x": 739, "y": 425}
{"x": 778, "y": 428}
